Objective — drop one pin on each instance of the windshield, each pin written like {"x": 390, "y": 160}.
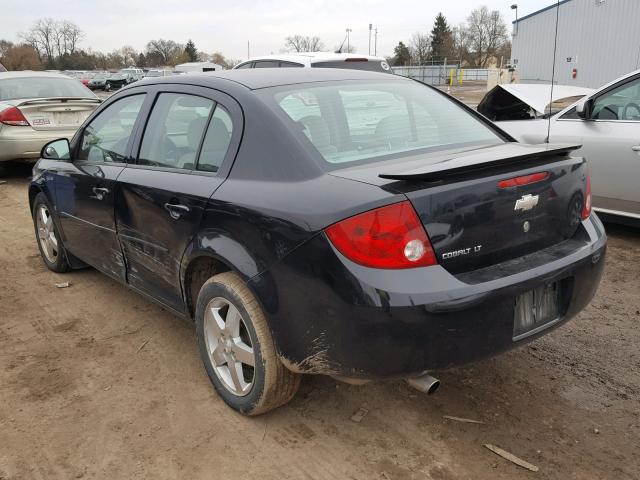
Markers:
{"x": 100, "y": 76}
{"x": 152, "y": 73}
{"x": 357, "y": 121}
{"x": 42, "y": 87}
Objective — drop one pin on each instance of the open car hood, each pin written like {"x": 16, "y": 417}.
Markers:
{"x": 513, "y": 101}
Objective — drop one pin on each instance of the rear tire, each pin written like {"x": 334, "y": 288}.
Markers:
{"x": 254, "y": 389}
{"x": 52, "y": 250}
{"x": 3, "y": 170}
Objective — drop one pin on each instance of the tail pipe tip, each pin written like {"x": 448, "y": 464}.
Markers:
{"x": 425, "y": 384}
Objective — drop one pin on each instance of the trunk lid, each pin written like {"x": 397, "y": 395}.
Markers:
{"x": 57, "y": 113}
{"x": 473, "y": 220}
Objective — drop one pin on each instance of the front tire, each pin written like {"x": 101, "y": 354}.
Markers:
{"x": 52, "y": 250}
{"x": 237, "y": 348}
{"x": 107, "y": 87}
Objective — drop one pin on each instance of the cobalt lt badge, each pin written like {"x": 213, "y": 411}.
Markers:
{"x": 526, "y": 226}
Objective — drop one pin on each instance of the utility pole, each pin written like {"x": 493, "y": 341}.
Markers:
{"x": 248, "y": 54}
{"x": 375, "y": 45}
{"x": 348, "y": 45}
{"x": 370, "y": 26}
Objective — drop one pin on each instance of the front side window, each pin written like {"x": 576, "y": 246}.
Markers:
{"x": 359, "y": 122}
{"x": 174, "y": 131}
{"x": 622, "y": 103}
{"x": 106, "y": 138}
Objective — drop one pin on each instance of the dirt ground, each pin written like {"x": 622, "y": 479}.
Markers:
{"x": 97, "y": 382}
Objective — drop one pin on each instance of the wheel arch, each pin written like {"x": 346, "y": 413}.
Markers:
{"x": 212, "y": 252}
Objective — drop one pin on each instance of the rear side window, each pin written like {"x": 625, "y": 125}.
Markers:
{"x": 290, "y": 65}
{"x": 368, "y": 65}
{"x": 105, "y": 139}
{"x": 174, "y": 131}
{"x": 216, "y": 141}
{"x": 267, "y": 64}
{"x": 358, "y": 122}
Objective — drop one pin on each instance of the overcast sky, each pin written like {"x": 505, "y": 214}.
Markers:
{"x": 226, "y": 26}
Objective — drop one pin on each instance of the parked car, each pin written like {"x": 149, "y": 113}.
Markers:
{"x": 318, "y": 60}
{"x": 118, "y": 80}
{"x": 135, "y": 73}
{"x": 37, "y": 107}
{"x": 99, "y": 81}
{"x": 158, "y": 73}
{"x": 607, "y": 125}
{"x": 336, "y": 222}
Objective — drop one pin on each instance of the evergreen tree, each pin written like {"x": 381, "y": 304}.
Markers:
{"x": 402, "y": 55}
{"x": 440, "y": 38}
{"x": 191, "y": 51}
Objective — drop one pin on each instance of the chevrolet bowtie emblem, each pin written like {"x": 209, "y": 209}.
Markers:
{"x": 527, "y": 202}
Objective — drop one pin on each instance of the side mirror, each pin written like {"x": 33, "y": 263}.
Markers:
{"x": 584, "y": 109}
{"x": 57, "y": 150}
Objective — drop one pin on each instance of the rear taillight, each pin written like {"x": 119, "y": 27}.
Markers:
{"x": 523, "y": 180}
{"x": 586, "y": 210}
{"x": 387, "y": 237}
{"x": 14, "y": 117}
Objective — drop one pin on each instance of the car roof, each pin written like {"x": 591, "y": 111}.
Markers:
{"x": 308, "y": 58}
{"x": 31, "y": 73}
{"x": 273, "y": 77}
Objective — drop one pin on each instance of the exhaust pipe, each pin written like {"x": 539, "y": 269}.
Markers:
{"x": 425, "y": 383}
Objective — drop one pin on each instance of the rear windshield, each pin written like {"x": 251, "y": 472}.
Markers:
{"x": 359, "y": 122}
{"x": 369, "y": 65}
{"x": 42, "y": 87}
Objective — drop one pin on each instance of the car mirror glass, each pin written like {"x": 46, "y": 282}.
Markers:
{"x": 57, "y": 150}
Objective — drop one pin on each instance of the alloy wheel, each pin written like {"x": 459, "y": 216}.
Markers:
{"x": 46, "y": 234}
{"x": 229, "y": 346}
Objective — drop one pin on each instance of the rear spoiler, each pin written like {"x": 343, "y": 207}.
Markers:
{"x": 35, "y": 101}
{"x": 466, "y": 166}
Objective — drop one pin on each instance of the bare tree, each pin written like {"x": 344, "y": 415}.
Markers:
{"x": 420, "y": 48}
{"x": 163, "y": 51}
{"x": 42, "y": 37}
{"x": 482, "y": 37}
{"x": 298, "y": 43}
{"x": 71, "y": 34}
{"x": 129, "y": 55}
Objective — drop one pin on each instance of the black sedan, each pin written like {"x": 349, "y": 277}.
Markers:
{"x": 321, "y": 221}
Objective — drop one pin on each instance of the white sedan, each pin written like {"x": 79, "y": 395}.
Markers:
{"x": 607, "y": 125}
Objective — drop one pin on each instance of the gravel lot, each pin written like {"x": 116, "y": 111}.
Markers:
{"x": 97, "y": 382}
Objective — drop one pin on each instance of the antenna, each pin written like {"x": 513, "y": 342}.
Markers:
{"x": 553, "y": 71}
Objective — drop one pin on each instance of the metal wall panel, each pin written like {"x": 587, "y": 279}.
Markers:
{"x": 601, "y": 39}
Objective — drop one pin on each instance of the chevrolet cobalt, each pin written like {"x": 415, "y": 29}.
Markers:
{"x": 321, "y": 221}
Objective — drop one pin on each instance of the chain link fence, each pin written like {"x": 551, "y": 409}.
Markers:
{"x": 441, "y": 74}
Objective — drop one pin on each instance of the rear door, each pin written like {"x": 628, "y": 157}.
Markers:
{"x": 183, "y": 154}
{"x": 85, "y": 190}
{"x": 611, "y": 144}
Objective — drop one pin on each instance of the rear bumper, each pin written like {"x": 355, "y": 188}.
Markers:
{"x": 26, "y": 143}
{"x": 331, "y": 316}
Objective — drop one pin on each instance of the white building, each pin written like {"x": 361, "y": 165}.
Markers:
{"x": 598, "y": 41}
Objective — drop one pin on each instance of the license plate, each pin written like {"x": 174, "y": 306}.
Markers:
{"x": 536, "y": 310}
{"x": 67, "y": 118}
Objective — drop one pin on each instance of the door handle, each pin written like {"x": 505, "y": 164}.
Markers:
{"x": 636, "y": 148}
{"x": 176, "y": 210}
{"x": 100, "y": 192}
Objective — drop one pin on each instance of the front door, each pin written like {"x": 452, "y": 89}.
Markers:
{"x": 611, "y": 145}
{"x": 86, "y": 188}
{"x": 162, "y": 198}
